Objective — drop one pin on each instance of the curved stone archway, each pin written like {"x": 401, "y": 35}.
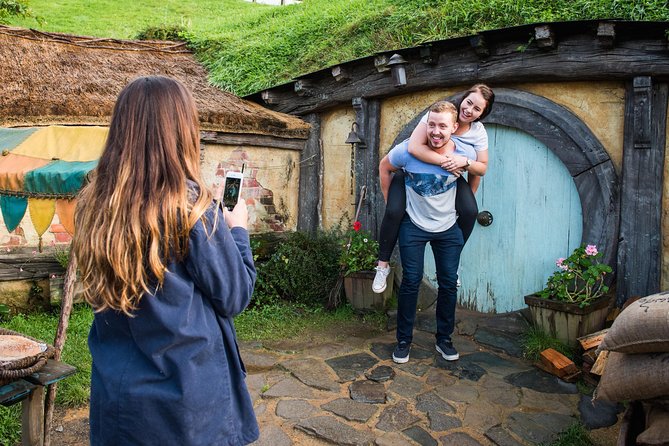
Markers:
{"x": 575, "y": 145}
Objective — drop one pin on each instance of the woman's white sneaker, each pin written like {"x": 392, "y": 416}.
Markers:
{"x": 379, "y": 284}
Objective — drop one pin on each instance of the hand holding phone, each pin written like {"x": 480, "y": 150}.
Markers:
{"x": 232, "y": 188}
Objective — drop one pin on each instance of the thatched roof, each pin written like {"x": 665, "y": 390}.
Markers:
{"x": 49, "y": 78}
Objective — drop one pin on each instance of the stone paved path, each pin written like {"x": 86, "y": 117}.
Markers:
{"x": 349, "y": 392}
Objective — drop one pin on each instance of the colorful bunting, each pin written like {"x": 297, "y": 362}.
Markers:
{"x": 43, "y": 169}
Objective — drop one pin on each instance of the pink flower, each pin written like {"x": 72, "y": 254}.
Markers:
{"x": 357, "y": 226}
{"x": 560, "y": 264}
{"x": 591, "y": 250}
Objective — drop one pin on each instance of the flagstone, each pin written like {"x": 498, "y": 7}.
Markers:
{"x": 334, "y": 431}
{"x": 351, "y": 410}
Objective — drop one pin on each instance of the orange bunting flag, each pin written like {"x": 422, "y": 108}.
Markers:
{"x": 65, "y": 211}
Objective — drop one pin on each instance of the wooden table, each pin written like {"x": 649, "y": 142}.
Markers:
{"x": 30, "y": 391}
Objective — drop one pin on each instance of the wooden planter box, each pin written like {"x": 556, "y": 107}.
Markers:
{"x": 358, "y": 290}
{"x": 56, "y": 285}
{"x": 566, "y": 321}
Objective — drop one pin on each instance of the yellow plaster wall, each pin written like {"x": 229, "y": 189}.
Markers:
{"x": 271, "y": 182}
{"x": 338, "y": 193}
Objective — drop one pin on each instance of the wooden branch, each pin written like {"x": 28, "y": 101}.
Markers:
{"x": 59, "y": 341}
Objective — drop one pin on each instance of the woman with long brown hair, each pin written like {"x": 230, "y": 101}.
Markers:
{"x": 166, "y": 269}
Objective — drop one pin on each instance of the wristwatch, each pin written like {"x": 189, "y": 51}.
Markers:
{"x": 469, "y": 163}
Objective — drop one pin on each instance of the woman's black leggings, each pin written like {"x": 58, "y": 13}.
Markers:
{"x": 465, "y": 205}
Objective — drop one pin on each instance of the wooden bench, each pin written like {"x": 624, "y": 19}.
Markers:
{"x": 30, "y": 391}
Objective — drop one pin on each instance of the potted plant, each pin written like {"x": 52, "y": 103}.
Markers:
{"x": 358, "y": 260}
{"x": 574, "y": 302}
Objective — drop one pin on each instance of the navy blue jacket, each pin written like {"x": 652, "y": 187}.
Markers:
{"x": 172, "y": 374}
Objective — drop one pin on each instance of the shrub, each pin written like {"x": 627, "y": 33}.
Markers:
{"x": 303, "y": 269}
{"x": 164, "y": 32}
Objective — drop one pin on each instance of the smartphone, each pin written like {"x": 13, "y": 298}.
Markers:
{"x": 232, "y": 188}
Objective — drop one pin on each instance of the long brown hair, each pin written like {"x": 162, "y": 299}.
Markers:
{"x": 137, "y": 211}
{"x": 487, "y": 94}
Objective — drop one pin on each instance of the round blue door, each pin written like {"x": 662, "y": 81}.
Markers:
{"x": 536, "y": 218}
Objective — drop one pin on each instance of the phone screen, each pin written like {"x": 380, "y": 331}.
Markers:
{"x": 231, "y": 192}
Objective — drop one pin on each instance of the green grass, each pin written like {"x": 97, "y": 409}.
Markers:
{"x": 576, "y": 435}
{"x": 248, "y": 47}
{"x": 73, "y": 391}
{"x": 536, "y": 340}
{"x": 285, "y": 320}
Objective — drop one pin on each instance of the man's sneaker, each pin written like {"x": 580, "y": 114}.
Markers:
{"x": 379, "y": 284}
{"x": 447, "y": 351}
{"x": 401, "y": 353}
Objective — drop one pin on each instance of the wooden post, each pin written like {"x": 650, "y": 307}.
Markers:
{"x": 58, "y": 343}
{"x": 368, "y": 115}
{"x": 640, "y": 248}
{"x": 311, "y": 184}
{"x": 32, "y": 418}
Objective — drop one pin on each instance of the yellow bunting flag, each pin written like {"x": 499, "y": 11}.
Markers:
{"x": 41, "y": 212}
{"x": 65, "y": 211}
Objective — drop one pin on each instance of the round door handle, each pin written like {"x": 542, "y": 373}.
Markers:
{"x": 484, "y": 218}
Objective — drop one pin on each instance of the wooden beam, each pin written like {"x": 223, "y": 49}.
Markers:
{"x": 479, "y": 45}
{"x": 304, "y": 87}
{"x": 368, "y": 116}
{"x": 381, "y": 63}
{"x": 592, "y": 340}
{"x": 248, "y": 139}
{"x": 23, "y": 266}
{"x": 640, "y": 245}
{"x": 340, "y": 73}
{"x": 580, "y": 57}
{"x": 606, "y": 34}
{"x": 600, "y": 364}
{"x": 311, "y": 185}
{"x": 557, "y": 364}
{"x": 429, "y": 55}
{"x": 32, "y": 418}
{"x": 544, "y": 36}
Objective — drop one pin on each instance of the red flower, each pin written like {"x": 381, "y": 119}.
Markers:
{"x": 357, "y": 226}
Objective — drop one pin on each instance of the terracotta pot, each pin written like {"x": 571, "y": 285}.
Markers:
{"x": 566, "y": 321}
{"x": 358, "y": 290}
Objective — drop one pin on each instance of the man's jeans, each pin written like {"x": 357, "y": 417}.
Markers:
{"x": 446, "y": 247}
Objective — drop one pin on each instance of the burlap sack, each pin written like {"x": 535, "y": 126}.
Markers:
{"x": 643, "y": 327}
{"x": 657, "y": 427}
{"x": 630, "y": 377}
